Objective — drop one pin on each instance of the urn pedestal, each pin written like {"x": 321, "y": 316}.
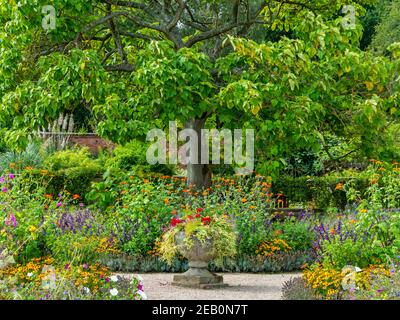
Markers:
{"x": 198, "y": 275}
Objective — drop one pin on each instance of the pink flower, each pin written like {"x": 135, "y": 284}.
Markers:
{"x": 59, "y": 204}
{"x": 11, "y": 176}
{"x": 13, "y": 220}
{"x": 67, "y": 266}
{"x": 4, "y": 189}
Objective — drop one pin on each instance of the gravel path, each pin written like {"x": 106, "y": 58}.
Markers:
{"x": 242, "y": 286}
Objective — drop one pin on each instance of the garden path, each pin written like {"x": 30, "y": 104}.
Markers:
{"x": 242, "y": 286}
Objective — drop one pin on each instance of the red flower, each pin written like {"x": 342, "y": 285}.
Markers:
{"x": 197, "y": 215}
{"x": 189, "y": 217}
{"x": 206, "y": 220}
{"x": 198, "y": 210}
{"x": 175, "y": 221}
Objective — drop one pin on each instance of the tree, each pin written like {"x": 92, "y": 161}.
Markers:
{"x": 388, "y": 30}
{"x": 137, "y": 64}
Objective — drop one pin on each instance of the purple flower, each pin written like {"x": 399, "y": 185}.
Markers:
{"x": 67, "y": 266}
{"x": 379, "y": 290}
{"x": 140, "y": 286}
{"x": 59, "y": 204}
{"x": 85, "y": 266}
{"x": 81, "y": 205}
{"x": 107, "y": 280}
{"x": 13, "y": 220}
{"x": 11, "y": 176}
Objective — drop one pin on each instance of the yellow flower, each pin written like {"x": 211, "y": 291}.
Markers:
{"x": 32, "y": 229}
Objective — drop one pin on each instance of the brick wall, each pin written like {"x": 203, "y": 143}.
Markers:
{"x": 93, "y": 142}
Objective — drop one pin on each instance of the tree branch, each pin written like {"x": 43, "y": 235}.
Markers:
{"x": 120, "y": 67}
{"x": 178, "y": 15}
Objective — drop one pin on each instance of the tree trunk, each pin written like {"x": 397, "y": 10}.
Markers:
{"x": 199, "y": 175}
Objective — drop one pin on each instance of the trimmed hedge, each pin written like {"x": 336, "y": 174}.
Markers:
{"x": 321, "y": 192}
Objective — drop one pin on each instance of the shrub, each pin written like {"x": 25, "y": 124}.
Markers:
{"x": 326, "y": 281}
{"x": 297, "y": 289}
{"x": 297, "y": 234}
{"x": 43, "y": 279}
{"x": 319, "y": 192}
{"x": 381, "y": 285}
{"x": 132, "y": 157}
{"x": 202, "y": 229}
{"x": 71, "y": 170}
{"x": 17, "y": 161}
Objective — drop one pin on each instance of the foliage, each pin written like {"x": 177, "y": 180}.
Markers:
{"x": 320, "y": 192}
{"x": 370, "y": 283}
{"x": 326, "y": 281}
{"x": 41, "y": 279}
{"x": 296, "y": 233}
{"x": 131, "y": 157}
{"x": 70, "y": 170}
{"x": 383, "y": 191}
{"x": 387, "y": 31}
{"x": 217, "y": 232}
{"x": 297, "y": 289}
{"x": 381, "y": 286}
{"x": 272, "y": 247}
{"x": 185, "y": 71}
{"x": 17, "y": 161}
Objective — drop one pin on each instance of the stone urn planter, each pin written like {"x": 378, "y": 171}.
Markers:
{"x": 198, "y": 275}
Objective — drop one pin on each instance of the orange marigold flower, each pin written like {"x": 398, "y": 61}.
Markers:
{"x": 48, "y": 196}
{"x": 339, "y": 186}
{"x": 381, "y": 169}
{"x": 174, "y": 212}
{"x": 244, "y": 200}
{"x": 332, "y": 231}
{"x": 166, "y": 201}
{"x": 76, "y": 196}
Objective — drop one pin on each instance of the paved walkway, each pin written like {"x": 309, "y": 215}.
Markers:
{"x": 242, "y": 286}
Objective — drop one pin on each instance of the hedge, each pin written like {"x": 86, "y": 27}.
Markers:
{"x": 322, "y": 192}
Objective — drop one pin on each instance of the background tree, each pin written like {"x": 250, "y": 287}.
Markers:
{"x": 137, "y": 64}
{"x": 388, "y": 29}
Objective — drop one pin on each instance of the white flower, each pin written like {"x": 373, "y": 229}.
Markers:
{"x": 114, "y": 278}
{"x": 142, "y": 294}
{"x": 358, "y": 269}
{"x": 30, "y": 274}
{"x": 87, "y": 290}
{"x": 114, "y": 292}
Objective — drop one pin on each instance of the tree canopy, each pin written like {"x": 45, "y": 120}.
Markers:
{"x": 286, "y": 68}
